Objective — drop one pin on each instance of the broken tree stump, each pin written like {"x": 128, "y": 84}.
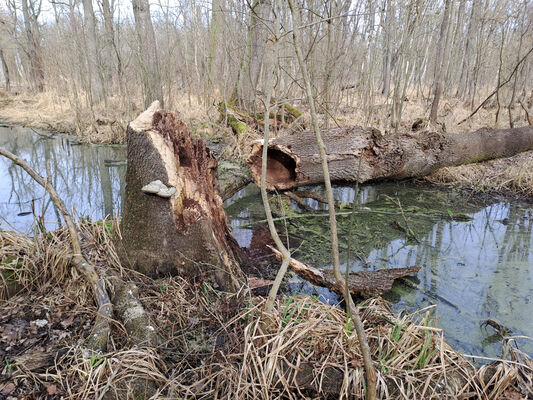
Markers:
{"x": 361, "y": 283}
{"x": 173, "y": 221}
{"x": 294, "y": 160}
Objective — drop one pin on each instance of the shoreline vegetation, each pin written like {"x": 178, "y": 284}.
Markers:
{"x": 511, "y": 176}
{"x": 214, "y": 345}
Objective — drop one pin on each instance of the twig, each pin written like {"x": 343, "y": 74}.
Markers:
{"x": 407, "y": 230}
{"x": 529, "y": 119}
{"x": 101, "y": 329}
{"x": 269, "y": 305}
{"x": 498, "y": 88}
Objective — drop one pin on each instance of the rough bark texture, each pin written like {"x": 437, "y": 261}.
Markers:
{"x": 148, "y": 56}
{"x": 5, "y": 70}
{"x": 93, "y": 57}
{"x": 187, "y": 233}
{"x": 361, "y": 283}
{"x": 294, "y": 160}
{"x": 31, "y": 28}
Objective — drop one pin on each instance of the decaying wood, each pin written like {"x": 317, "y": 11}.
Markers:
{"x": 185, "y": 230}
{"x": 294, "y": 160}
{"x": 133, "y": 315}
{"x": 101, "y": 330}
{"x": 362, "y": 283}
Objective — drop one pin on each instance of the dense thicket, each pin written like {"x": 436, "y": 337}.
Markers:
{"x": 127, "y": 51}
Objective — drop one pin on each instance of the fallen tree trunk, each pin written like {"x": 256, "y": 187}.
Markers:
{"x": 173, "y": 220}
{"x": 294, "y": 160}
{"x": 362, "y": 283}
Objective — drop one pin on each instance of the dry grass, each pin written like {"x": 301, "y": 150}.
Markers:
{"x": 215, "y": 345}
{"x": 100, "y": 124}
{"x": 512, "y": 175}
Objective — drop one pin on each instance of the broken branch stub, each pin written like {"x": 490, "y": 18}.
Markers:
{"x": 173, "y": 220}
{"x": 294, "y": 160}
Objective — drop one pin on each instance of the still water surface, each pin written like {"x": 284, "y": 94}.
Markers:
{"x": 472, "y": 270}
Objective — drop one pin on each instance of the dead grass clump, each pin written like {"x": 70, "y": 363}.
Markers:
{"x": 513, "y": 175}
{"x": 28, "y": 263}
{"x": 219, "y": 345}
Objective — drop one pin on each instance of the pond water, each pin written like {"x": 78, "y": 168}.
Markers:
{"x": 89, "y": 178}
{"x": 475, "y": 253}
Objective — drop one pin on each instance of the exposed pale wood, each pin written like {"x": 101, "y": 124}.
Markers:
{"x": 186, "y": 232}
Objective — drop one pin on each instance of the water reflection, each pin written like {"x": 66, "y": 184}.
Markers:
{"x": 472, "y": 270}
{"x": 78, "y": 172}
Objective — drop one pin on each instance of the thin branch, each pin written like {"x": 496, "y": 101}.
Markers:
{"x": 498, "y": 88}
{"x": 101, "y": 329}
{"x": 370, "y": 375}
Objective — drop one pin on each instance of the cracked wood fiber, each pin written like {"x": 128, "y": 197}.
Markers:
{"x": 294, "y": 160}
{"x": 189, "y": 233}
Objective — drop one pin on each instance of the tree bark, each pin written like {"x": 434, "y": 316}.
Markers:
{"x": 34, "y": 52}
{"x": 187, "y": 233}
{"x": 441, "y": 50}
{"x": 361, "y": 283}
{"x": 5, "y": 70}
{"x": 150, "y": 70}
{"x": 93, "y": 64}
{"x": 294, "y": 160}
{"x": 253, "y": 59}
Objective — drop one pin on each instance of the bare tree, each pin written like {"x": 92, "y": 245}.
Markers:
{"x": 92, "y": 54}
{"x": 30, "y": 12}
{"x": 441, "y": 50}
{"x": 5, "y": 70}
{"x": 148, "y": 55}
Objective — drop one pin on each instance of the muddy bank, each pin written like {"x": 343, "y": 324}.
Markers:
{"x": 56, "y": 114}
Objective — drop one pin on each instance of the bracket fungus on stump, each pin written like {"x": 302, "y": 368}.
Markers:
{"x": 173, "y": 220}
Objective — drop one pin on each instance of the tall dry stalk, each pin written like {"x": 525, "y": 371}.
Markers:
{"x": 273, "y": 232}
{"x": 363, "y": 341}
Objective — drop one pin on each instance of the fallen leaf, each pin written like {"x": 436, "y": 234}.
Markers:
{"x": 67, "y": 322}
{"x": 8, "y": 389}
{"x": 52, "y": 389}
{"x": 255, "y": 282}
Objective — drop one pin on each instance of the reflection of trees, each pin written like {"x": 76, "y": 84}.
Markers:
{"x": 77, "y": 172}
{"x": 483, "y": 266}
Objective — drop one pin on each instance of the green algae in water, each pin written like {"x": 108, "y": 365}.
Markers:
{"x": 476, "y": 255}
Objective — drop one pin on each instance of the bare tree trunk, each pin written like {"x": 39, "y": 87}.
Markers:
{"x": 295, "y": 161}
{"x": 253, "y": 63}
{"x": 387, "y": 60}
{"x": 5, "y": 70}
{"x": 441, "y": 50}
{"x": 217, "y": 19}
{"x": 469, "y": 44}
{"x": 173, "y": 221}
{"x": 454, "y": 58}
{"x": 33, "y": 38}
{"x": 148, "y": 56}
{"x": 93, "y": 64}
